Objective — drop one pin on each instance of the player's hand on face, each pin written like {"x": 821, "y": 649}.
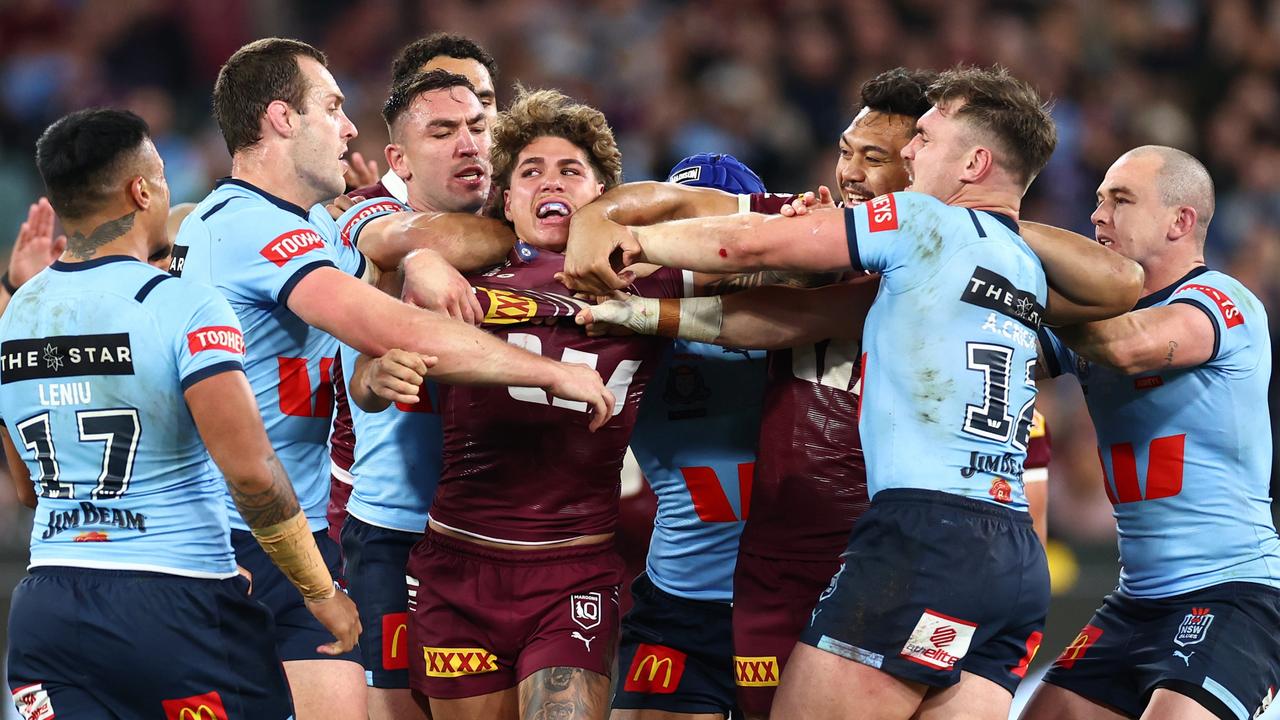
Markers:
{"x": 583, "y": 383}
{"x": 398, "y": 375}
{"x": 358, "y": 173}
{"x": 431, "y": 282}
{"x": 803, "y": 204}
{"x": 35, "y": 247}
{"x": 340, "y": 617}
{"x": 339, "y": 205}
{"x": 597, "y": 252}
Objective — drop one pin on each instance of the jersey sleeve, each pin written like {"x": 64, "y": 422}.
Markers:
{"x": 267, "y": 252}
{"x": 207, "y": 339}
{"x": 876, "y": 232}
{"x": 1058, "y": 358}
{"x": 665, "y": 283}
{"x": 356, "y": 217}
{"x": 764, "y": 203}
{"x": 1226, "y": 304}
{"x": 348, "y": 259}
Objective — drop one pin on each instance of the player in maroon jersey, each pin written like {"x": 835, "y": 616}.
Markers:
{"x": 810, "y": 482}
{"x": 440, "y": 51}
{"x": 523, "y": 519}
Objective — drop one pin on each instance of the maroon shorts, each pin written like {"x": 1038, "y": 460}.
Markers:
{"x": 485, "y": 619}
{"x": 772, "y": 602}
{"x": 339, "y": 493}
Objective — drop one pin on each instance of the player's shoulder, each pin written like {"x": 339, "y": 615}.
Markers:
{"x": 1222, "y": 293}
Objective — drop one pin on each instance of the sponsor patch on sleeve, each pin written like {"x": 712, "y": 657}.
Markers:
{"x": 882, "y": 214}
{"x": 383, "y": 207}
{"x": 33, "y": 702}
{"x": 216, "y": 337}
{"x": 1231, "y": 314}
{"x": 290, "y": 245}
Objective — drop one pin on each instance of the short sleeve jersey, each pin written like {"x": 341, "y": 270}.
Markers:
{"x": 255, "y": 248}
{"x": 94, "y": 359}
{"x": 1186, "y": 453}
{"x": 949, "y": 347}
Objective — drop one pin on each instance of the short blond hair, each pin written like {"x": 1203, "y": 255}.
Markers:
{"x": 551, "y": 113}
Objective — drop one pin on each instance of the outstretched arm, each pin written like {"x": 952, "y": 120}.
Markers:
{"x": 765, "y": 318}
{"x": 1158, "y": 338}
{"x": 373, "y": 323}
{"x": 468, "y": 242}
{"x": 1086, "y": 280}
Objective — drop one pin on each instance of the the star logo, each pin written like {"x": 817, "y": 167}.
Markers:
{"x": 1024, "y": 305}
{"x": 52, "y": 358}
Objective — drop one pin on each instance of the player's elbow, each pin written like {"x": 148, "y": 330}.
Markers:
{"x": 1127, "y": 279}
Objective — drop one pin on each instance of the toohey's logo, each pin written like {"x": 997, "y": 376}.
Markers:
{"x": 291, "y": 245}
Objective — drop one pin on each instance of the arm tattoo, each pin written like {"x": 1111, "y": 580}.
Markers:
{"x": 1168, "y": 358}
{"x": 564, "y": 693}
{"x": 83, "y": 248}
{"x": 271, "y": 506}
{"x": 745, "y": 281}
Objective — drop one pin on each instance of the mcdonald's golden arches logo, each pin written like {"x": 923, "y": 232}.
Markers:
{"x": 655, "y": 670}
{"x": 197, "y": 707}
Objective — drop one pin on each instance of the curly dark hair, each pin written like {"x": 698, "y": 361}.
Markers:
{"x": 1007, "y": 108}
{"x": 900, "y": 91}
{"x": 416, "y": 54}
{"x": 540, "y": 113}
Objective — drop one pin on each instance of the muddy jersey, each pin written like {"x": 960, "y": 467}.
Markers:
{"x": 1186, "y": 453}
{"x": 520, "y": 466}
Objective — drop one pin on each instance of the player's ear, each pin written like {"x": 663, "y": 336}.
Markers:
{"x": 140, "y": 192}
{"x": 279, "y": 118}
{"x": 397, "y": 161}
{"x": 1184, "y": 222}
{"x": 978, "y": 164}
{"x": 506, "y": 206}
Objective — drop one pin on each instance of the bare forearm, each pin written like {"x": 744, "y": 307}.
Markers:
{"x": 1122, "y": 343}
{"x": 1088, "y": 281}
{"x": 771, "y": 318}
{"x": 644, "y": 203}
{"x": 748, "y": 242}
{"x": 265, "y": 497}
{"x": 468, "y": 242}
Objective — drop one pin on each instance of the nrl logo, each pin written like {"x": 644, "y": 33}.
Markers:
{"x": 1194, "y": 627}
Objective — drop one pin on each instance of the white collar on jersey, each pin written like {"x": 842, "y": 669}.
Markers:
{"x": 394, "y": 185}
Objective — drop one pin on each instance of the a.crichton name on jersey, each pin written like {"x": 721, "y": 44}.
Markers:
{"x": 65, "y": 356}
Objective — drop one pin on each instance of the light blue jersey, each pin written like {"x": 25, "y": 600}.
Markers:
{"x": 94, "y": 359}
{"x": 398, "y": 458}
{"x": 695, "y": 440}
{"x": 1186, "y": 453}
{"x": 949, "y": 347}
{"x": 398, "y": 453}
{"x": 255, "y": 248}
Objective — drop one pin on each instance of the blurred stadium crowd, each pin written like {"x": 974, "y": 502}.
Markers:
{"x": 770, "y": 81}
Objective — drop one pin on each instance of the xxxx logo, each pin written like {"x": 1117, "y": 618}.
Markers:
{"x": 755, "y": 671}
{"x": 506, "y": 308}
{"x": 456, "y": 662}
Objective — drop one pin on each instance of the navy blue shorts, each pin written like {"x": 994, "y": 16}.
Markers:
{"x": 676, "y": 654}
{"x": 111, "y": 643}
{"x": 297, "y": 633}
{"x": 1219, "y": 646}
{"x": 374, "y": 561}
{"x": 933, "y": 584}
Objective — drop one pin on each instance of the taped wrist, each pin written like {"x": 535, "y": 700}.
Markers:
{"x": 698, "y": 319}
{"x": 292, "y": 548}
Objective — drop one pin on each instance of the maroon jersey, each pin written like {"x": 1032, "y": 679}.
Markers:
{"x": 810, "y": 482}
{"x": 520, "y": 466}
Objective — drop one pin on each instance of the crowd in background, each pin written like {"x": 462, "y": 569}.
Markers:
{"x": 770, "y": 81}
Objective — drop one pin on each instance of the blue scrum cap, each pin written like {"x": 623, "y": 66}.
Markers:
{"x": 716, "y": 170}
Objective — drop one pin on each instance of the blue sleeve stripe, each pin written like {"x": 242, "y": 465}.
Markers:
{"x": 363, "y": 264}
{"x": 287, "y": 289}
{"x": 1217, "y": 333}
{"x": 209, "y": 371}
{"x": 150, "y": 285}
{"x": 1050, "y": 356}
{"x": 851, "y": 236}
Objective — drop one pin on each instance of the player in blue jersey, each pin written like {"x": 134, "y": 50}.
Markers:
{"x": 439, "y": 131}
{"x": 262, "y": 239}
{"x": 114, "y": 378}
{"x": 695, "y": 443}
{"x": 942, "y": 598}
{"x": 1177, "y": 390}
